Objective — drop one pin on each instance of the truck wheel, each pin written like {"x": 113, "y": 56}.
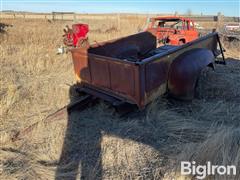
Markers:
{"x": 203, "y": 84}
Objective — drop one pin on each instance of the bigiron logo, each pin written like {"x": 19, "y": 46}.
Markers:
{"x": 202, "y": 171}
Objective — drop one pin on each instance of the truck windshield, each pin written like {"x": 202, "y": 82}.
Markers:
{"x": 176, "y": 24}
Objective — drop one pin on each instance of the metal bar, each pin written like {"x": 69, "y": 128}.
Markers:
{"x": 80, "y": 104}
{"x": 221, "y": 49}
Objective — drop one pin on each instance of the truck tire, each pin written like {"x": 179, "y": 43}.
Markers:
{"x": 202, "y": 83}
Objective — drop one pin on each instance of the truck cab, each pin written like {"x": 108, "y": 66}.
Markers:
{"x": 172, "y": 30}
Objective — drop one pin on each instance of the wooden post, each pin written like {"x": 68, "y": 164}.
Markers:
{"x": 118, "y": 20}
{"x": 53, "y": 16}
{"x": 74, "y": 17}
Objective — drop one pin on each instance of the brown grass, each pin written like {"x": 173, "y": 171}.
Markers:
{"x": 35, "y": 82}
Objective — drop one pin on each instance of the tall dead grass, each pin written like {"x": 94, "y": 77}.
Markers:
{"x": 149, "y": 145}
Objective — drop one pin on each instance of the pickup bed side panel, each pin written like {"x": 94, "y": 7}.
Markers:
{"x": 156, "y": 75}
{"x": 157, "y": 67}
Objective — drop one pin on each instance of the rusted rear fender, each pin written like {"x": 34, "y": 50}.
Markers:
{"x": 185, "y": 70}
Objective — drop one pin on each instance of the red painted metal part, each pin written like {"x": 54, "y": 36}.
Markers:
{"x": 105, "y": 71}
{"x": 74, "y": 35}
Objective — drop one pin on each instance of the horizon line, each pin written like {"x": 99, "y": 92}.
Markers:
{"x": 140, "y": 13}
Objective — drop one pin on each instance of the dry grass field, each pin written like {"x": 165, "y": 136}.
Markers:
{"x": 97, "y": 143}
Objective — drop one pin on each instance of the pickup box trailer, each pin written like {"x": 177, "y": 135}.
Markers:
{"x": 133, "y": 70}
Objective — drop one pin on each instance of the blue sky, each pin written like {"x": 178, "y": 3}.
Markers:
{"x": 210, "y": 7}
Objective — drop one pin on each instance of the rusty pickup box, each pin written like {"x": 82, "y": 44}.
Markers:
{"x": 133, "y": 70}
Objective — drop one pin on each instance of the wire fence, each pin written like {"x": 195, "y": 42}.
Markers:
{"x": 71, "y": 16}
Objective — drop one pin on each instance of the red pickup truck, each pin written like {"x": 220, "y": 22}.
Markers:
{"x": 173, "y": 30}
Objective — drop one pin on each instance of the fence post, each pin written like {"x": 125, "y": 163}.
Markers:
{"x": 74, "y": 17}
{"x": 220, "y": 20}
{"x": 53, "y": 16}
